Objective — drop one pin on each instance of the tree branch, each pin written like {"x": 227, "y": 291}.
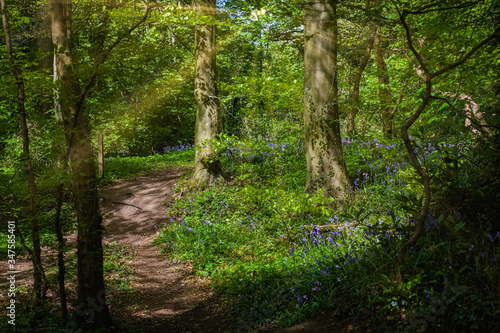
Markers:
{"x": 105, "y": 55}
{"x": 462, "y": 113}
{"x": 402, "y": 17}
{"x": 446, "y": 68}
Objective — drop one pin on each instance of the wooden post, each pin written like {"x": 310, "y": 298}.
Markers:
{"x": 100, "y": 154}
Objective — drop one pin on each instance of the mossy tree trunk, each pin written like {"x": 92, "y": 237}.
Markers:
{"x": 325, "y": 161}
{"x": 92, "y": 307}
{"x": 207, "y": 163}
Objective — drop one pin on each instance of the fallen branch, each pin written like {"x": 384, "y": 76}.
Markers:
{"x": 126, "y": 204}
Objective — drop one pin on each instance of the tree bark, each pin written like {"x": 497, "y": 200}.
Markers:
{"x": 207, "y": 164}
{"x": 92, "y": 307}
{"x": 427, "y": 76}
{"x": 326, "y": 169}
{"x": 36, "y": 254}
{"x": 385, "y": 96}
{"x": 354, "y": 108}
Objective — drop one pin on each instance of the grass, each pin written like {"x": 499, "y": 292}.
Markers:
{"x": 117, "y": 270}
{"x": 133, "y": 166}
{"x": 280, "y": 256}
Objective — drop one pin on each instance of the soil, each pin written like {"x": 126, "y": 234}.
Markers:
{"x": 165, "y": 296}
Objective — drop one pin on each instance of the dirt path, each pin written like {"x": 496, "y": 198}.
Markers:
{"x": 165, "y": 296}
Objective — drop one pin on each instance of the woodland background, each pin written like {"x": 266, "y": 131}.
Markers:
{"x": 409, "y": 242}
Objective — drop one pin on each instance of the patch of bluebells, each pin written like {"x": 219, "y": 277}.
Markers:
{"x": 274, "y": 155}
{"x": 431, "y": 223}
{"x": 331, "y": 250}
{"x": 327, "y": 256}
{"x": 372, "y": 161}
{"x": 181, "y": 147}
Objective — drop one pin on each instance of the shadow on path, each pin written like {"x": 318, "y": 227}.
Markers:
{"x": 165, "y": 297}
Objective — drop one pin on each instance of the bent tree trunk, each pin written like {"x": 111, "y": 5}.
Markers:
{"x": 92, "y": 307}
{"x": 207, "y": 164}
{"x": 325, "y": 161}
{"x": 427, "y": 76}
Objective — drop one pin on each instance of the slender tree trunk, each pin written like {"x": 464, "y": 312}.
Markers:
{"x": 60, "y": 255}
{"x": 427, "y": 76}
{"x": 36, "y": 254}
{"x": 325, "y": 161}
{"x": 92, "y": 307}
{"x": 354, "y": 108}
{"x": 207, "y": 164}
{"x": 383, "y": 81}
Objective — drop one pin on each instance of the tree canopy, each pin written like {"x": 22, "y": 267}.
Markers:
{"x": 363, "y": 130}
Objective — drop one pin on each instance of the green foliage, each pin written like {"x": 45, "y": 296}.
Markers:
{"x": 117, "y": 269}
{"x": 280, "y": 256}
{"x": 133, "y": 166}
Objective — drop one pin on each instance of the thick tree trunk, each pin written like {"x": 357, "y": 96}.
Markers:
{"x": 92, "y": 307}
{"x": 325, "y": 161}
{"x": 383, "y": 81}
{"x": 207, "y": 164}
{"x": 36, "y": 254}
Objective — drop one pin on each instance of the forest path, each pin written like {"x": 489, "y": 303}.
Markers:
{"x": 165, "y": 297}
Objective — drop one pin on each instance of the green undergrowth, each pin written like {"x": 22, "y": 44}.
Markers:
{"x": 280, "y": 256}
{"x": 133, "y": 166}
{"x": 47, "y": 317}
{"x": 118, "y": 271}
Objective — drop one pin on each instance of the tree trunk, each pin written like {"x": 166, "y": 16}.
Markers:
{"x": 427, "y": 76}
{"x": 383, "y": 81}
{"x": 354, "y": 107}
{"x": 92, "y": 307}
{"x": 207, "y": 164}
{"x": 325, "y": 161}
{"x": 36, "y": 254}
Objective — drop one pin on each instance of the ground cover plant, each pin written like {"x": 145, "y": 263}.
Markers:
{"x": 279, "y": 256}
{"x": 330, "y": 156}
{"x": 123, "y": 166}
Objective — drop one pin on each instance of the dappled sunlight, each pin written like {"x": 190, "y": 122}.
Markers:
{"x": 268, "y": 166}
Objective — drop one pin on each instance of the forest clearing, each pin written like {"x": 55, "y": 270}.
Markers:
{"x": 250, "y": 166}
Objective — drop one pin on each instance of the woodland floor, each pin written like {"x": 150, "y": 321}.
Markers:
{"x": 165, "y": 297}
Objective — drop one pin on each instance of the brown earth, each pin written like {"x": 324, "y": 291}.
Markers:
{"x": 165, "y": 297}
